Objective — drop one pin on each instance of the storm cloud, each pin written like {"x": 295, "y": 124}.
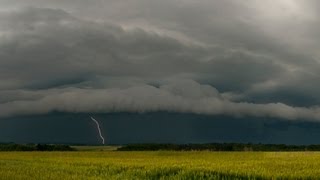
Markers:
{"x": 205, "y": 57}
{"x": 183, "y": 97}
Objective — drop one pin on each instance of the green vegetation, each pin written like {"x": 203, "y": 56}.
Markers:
{"x": 160, "y": 147}
{"x": 34, "y": 147}
{"x": 159, "y": 165}
{"x": 218, "y": 147}
{"x": 95, "y": 148}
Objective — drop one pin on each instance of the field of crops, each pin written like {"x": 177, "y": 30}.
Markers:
{"x": 159, "y": 165}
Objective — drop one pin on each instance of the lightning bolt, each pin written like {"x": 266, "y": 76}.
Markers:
{"x": 99, "y": 130}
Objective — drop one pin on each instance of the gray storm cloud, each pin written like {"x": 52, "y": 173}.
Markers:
{"x": 185, "y": 97}
{"x": 206, "y": 57}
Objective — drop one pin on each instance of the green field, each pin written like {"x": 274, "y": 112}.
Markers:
{"x": 159, "y": 165}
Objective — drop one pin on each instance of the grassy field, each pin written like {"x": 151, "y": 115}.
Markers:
{"x": 159, "y": 165}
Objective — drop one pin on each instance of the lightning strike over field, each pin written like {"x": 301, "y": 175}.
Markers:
{"x": 99, "y": 130}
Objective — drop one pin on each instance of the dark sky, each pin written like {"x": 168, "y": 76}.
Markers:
{"x": 159, "y": 127}
{"x": 158, "y": 71}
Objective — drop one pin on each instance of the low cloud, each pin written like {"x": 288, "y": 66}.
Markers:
{"x": 185, "y": 96}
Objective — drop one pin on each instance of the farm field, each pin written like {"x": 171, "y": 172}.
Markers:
{"x": 159, "y": 165}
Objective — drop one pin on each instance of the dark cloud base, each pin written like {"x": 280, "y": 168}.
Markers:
{"x": 157, "y": 127}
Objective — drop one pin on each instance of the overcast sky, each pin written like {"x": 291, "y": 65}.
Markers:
{"x": 210, "y": 57}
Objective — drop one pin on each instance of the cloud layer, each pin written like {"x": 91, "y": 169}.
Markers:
{"x": 183, "y": 96}
{"x": 206, "y": 57}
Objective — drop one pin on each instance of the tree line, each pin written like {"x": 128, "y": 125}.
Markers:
{"x": 35, "y": 147}
{"x": 218, "y": 147}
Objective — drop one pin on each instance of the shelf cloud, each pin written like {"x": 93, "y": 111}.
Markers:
{"x": 183, "y": 96}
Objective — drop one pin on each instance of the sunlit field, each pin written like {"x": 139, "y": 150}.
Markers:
{"x": 159, "y": 165}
